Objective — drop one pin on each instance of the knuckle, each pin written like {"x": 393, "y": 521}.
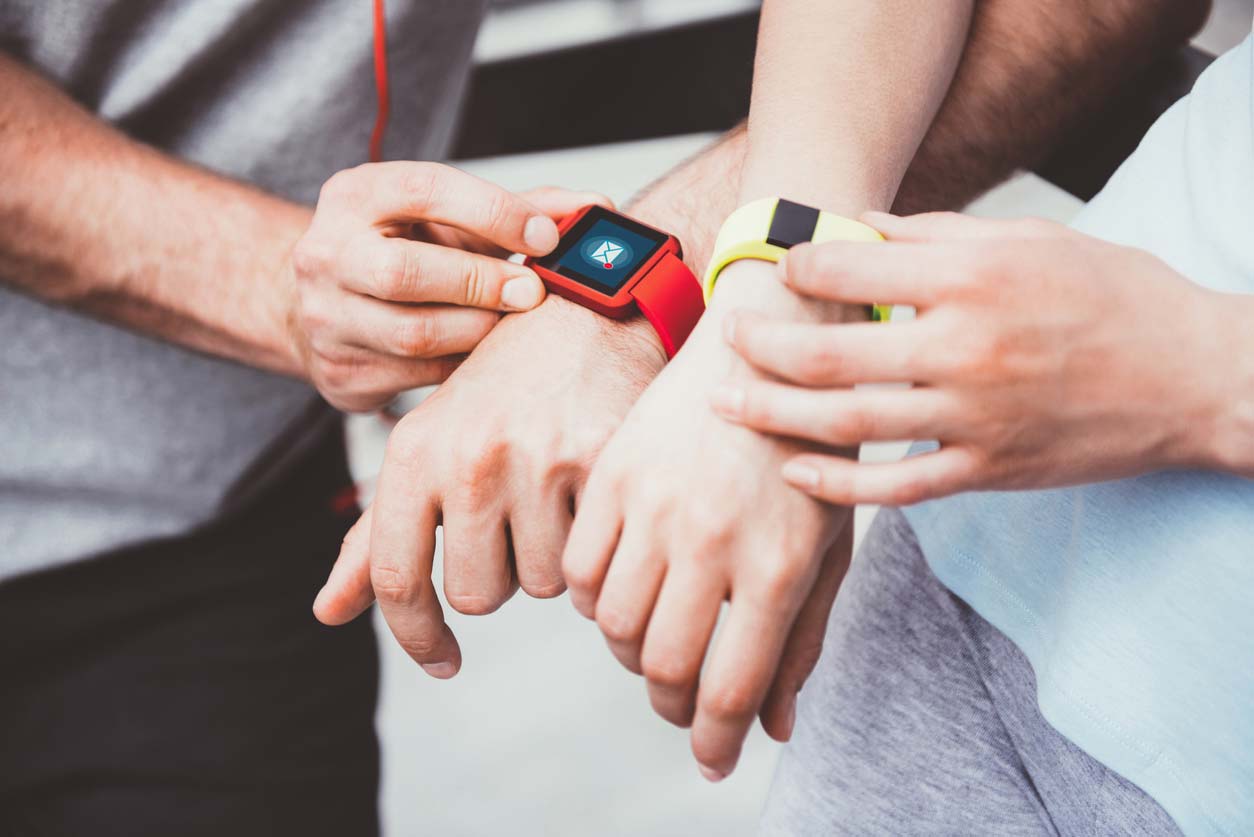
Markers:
{"x": 498, "y": 211}
{"x": 391, "y": 272}
{"x": 908, "y": 491}
{"x": 617, "y": 626}
{"x": 407, "y": 441}
{"x": 477, "y": 283}
{"x": 666, "y": 670}
{"x": 419, "y": 647}
{"x": 421, "y": 184}
{"x": 713, "y": 530}
{"x": 821, "y": 362}
{"x": 418, "y": 336}
{"x": 392, "y": 584}
{"x": 728, "y": 702}
{"x": 309, "y": 258}
{"x": 781, "y": 581}
{"x": 849, "y": 425}
{"x": 336, "y": 373}
{"x": 580, "y": 575}
{"x": 344, "y": 185}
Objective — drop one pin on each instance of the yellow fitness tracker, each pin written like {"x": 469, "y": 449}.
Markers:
{"x": 765, "y": 229}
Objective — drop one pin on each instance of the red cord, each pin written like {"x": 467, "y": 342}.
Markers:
{"x": 380, "y": 81}
{"x": 346, "y": 499}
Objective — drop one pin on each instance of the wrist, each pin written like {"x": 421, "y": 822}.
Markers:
{"x": 632, "y": 338}
{"x": 1226, "y": 440}
{"x": 282, "y": 337}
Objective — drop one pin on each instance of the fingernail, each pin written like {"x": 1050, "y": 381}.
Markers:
{"x": 728, "y": 400}
{"x": 711, "y": 774}
{"x": 873, "y": 217}
{"x": 522, "y": 293}
{"x": 791, "y": 720}
{"x": 540, "y": 234}
{"x": 801, "y": 475}
{"x": 729, "y": 329}
{"x": 441, "y": 671}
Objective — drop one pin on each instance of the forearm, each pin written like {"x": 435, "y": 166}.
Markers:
{"x": 843, "y": 93}
{"x": 93, "y": 220}
{"x": 1031, "y": 72}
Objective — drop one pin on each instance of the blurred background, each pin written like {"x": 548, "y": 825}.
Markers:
{"x": 543, "y": 733}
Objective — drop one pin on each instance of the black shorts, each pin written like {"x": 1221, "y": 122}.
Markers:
{"x": 184, "y": 687}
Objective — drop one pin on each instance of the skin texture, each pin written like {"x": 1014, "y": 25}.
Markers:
{"x": 983, "y": 111}
{"x": 1040, "y": 357}
{"x": 384, "y": 286}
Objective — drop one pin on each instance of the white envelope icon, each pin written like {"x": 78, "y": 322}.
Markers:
{"x": 607, "y": 251}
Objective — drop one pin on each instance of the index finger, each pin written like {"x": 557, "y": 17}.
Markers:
{"x": 402, "y": 546}
{"x": 418, "y": 192}
{"x": 877, "y": 274}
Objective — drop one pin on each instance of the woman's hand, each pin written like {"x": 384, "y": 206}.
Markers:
{"x": 1040, "y": 357}
{"x": 403, "y": 271}
{"x": 682, "y": 512}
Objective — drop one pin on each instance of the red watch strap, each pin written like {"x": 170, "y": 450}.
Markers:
{"x": 670, "y": 298}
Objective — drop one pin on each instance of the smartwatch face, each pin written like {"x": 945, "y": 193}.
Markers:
{"x": 603, "y": 250}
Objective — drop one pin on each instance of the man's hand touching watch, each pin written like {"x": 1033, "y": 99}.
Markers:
{"x": 403, "y": 270}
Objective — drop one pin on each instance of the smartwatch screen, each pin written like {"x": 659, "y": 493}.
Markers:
{"x": 603, "y": 250}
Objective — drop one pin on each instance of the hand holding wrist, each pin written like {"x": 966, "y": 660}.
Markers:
{"x": 1046, "y": 357}
{"x": 403, "y": 270}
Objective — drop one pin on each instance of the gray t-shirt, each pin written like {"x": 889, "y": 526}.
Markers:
{"x": 109, "y": 437}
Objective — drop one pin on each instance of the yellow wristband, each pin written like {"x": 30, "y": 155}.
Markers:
{"x": 765, "y": 229}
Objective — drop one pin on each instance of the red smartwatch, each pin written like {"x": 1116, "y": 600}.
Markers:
{"x": 616, "y": 266}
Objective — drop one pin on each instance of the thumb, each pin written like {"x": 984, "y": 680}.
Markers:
{"x": 805, "y": 641}
{"x": 348, "y": 591}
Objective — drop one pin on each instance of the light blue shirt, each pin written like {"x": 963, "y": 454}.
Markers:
{"x": 1134, "y": 600}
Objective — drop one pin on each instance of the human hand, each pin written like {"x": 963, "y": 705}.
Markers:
{"x": 403, "y": 270}
{"x": 683, "y": 511}
{"x": 1041, "y": 357}
{"x": 497, "y": 456}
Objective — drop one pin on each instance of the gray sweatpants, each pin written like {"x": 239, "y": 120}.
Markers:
{"x": 921, "y": 718}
